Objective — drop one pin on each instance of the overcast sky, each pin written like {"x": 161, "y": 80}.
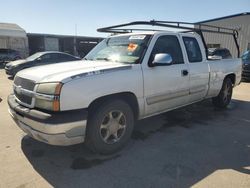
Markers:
{"x": 61, "y": 16}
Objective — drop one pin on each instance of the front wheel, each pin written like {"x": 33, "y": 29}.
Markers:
{"x": 225, "y": 95}
{"x": 110, "y": 126}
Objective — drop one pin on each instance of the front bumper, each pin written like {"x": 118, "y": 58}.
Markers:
{"x": 9, "y": 71}
{"x": 61, "y": 128}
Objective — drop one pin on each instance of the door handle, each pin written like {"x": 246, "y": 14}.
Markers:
{"x": 184, "y": 72}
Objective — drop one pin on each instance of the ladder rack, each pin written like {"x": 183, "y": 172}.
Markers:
{"x": 186, "y": 26}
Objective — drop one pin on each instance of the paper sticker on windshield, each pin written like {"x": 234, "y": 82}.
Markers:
{"x": 132, "y": 47}
{"x": 137, "y": 37}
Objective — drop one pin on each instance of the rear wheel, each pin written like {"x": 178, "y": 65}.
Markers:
{"x": 225, "y": 95}
{"x": 110, "y": 126}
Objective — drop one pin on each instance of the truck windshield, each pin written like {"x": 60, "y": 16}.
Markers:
{"x": 123, "y": 49}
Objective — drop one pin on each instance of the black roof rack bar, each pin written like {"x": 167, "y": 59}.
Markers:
{"x": 196, "y": 24}
{"x": 130, "y": 30}
{"x": 193, "y": 27}
{"x": 167, "y": 24}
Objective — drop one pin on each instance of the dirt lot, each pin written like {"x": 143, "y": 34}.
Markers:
{"x": 195, "y": 146}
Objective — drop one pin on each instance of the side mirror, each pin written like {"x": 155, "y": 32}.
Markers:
{"x": 39, "y": 59}
{"x": 162, "y": 60}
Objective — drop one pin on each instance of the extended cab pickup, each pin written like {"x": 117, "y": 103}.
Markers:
{"x": 124, "y": 78}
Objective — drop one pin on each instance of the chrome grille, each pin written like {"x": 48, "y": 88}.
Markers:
{"x": 23, "y": 98}
{"x": 24, "y": 84}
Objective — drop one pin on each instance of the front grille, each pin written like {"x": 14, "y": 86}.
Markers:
{"x": 25, "y": 84}
{"x": 23, "y": 98}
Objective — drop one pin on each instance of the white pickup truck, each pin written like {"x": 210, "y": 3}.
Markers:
{"x": 124, "y": 78}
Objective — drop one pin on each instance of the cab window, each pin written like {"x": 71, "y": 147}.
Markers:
{"x": 193, "y": 49}
{"x": 168, "y": 44}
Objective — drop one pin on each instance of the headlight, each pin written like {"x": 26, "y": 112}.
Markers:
{"x": 49, "y": 88}
{"x": 48, "y": 96}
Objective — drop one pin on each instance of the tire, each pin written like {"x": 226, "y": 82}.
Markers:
{"x": 109, "y": 127}
{"x": 225, "y": 95}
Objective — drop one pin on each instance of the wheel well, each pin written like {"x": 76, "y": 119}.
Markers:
{"x": 128, "y": 97}
{"x": 232, "y": 77}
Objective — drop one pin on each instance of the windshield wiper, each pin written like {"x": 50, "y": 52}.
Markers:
{"x": 87, "y": 59}
{"x": 103, "y": 58}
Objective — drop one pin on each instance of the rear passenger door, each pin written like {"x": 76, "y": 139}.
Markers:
{"x": 198, "y": 68}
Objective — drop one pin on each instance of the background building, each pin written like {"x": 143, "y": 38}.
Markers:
{"x": 237, "y": 21}
{"x": 13, "y": 37}
{"x": 75, "y": 45}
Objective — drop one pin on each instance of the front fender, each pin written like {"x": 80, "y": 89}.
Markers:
{"x": 80, "y": 92}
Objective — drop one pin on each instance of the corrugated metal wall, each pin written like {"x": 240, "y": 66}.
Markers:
{"x": 14, "y": 37}
{"x": 51, "y": 44}
{"x": 241, "y": 22}
{"x": 16, "y": 43}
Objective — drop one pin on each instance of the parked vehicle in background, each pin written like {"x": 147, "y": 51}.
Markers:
{"x": 126, "y": 77}
{"x": 246, "y": 65}
{"x": 7, "y": 55}
{"x": 38, "y": 59}
{"x": 215, "y": 53}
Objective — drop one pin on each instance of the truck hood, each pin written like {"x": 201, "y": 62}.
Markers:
{"x": 63, "y": 72}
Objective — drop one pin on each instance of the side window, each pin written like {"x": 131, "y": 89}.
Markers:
{"x": 64, "y": 57}
{"x": 219, "y": 53}
{"x": 45, "y": 57}
{"x": 49, "y": 58}
{"x": 168, "y": 44}
{"x": 54, "y": 57}
{"x": 193, "y": 49}
{"x": 223, "y": 54}
{"x": 228, "y": 54}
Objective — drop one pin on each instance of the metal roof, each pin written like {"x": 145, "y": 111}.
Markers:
{"x": 225, "y": 17}
{"x": 11, "y": 30}
{"x": 61, "y": 36}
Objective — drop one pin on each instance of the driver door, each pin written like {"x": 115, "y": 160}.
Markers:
{"x": 166, "y": 87}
